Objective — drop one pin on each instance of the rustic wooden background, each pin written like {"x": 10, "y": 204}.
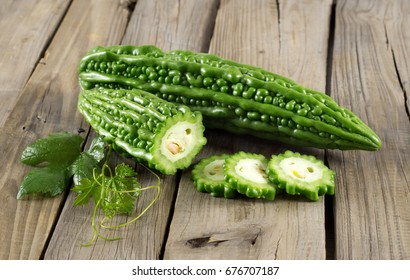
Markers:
{"x": 356, "y": 51}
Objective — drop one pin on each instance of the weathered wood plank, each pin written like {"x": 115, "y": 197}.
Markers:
{"x": 48, "y": 104}
{"x": 166, "y": 24}
{"x": 370, "y": 76}
{"x": 396, "y": 24}
{"x": 26, "y": 28}
{"x": 289, "y": 38}
{"x": 172, "y": 24}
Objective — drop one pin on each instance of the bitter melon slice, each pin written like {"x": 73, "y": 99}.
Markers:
{"x": 246, "y": 172}
{"x": 208, "y": 176}
{"x": 301, "y": 175}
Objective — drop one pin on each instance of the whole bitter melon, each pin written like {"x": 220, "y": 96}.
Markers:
{"x": 160, "y": 134}
{"x": 232, "y": 96}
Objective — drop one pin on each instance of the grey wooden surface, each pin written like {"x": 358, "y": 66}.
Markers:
{"x": 357, "y": 52}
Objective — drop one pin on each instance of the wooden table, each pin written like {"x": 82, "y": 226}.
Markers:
{"x": 356, "y": 51}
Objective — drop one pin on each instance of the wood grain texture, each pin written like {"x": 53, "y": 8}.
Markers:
{"x": 285, "y": 39}
{"x": 42, "y": 41}
{"x": 370, "y": 76}
{"x": 185, "y": 24}
{"x": 47, "y": 104}
{"x": 26, "y": 28}
{"x": 143, "y": 239}
{"x": 396, "y": 24}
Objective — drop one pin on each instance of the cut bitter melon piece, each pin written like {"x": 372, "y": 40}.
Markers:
{"x": 160, "y": 134}
{"x": 208, "y": 176}
{"x": 301, "y": 175}
{"x": 246, "y": 172}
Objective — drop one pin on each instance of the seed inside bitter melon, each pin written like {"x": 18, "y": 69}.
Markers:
{"x": 255, "y": 177}
{"x": 178, "y": 141}
{"x": 299, "y": 174}
{"x": 208, "y": 176}
{"x": 246, "y": 172}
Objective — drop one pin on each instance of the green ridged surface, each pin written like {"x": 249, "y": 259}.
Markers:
{"x": 208, "y": 176}
{"x": 246, "y": 173}
{"x": 137, "y": 123}
{"x": 299, "y": 174}
{"x": 248, "y": 99}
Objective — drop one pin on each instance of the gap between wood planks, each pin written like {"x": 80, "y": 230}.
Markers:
{"x": 280, "y": 37}
{"x": 42, "y": 55}
{"x": 128, "y": 5}
{"x": 329, "y": 201}
{"x": 179, "y": 173}
{"x": 400, "y": 80}
{"x": 43, "y": 52}
{"x": 65, "y": 197}
{"x": 405, "y": 96}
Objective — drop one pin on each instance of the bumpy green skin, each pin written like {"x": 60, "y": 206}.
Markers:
{"x": 247, "y": 99}
{"x": 135, "y": 123}
{"x": 295, "y": 185}
{"x": 246, "y": 185}
{"x": 205, "y": 182}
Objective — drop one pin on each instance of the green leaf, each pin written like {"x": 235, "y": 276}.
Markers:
{"x": 87, "y": 161}
{"x": 97, "y": 149}
{"x": 126, "y": 179}
{"x": 113, "y": 193}
{"x": 114, "y": 200}
{"x": 123, "y": 170}
{"x": 60, "y": 148}
{"x": 83, "y": 168}
{"x": 47, "y": 181}
{"x": 84, "y": 191}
